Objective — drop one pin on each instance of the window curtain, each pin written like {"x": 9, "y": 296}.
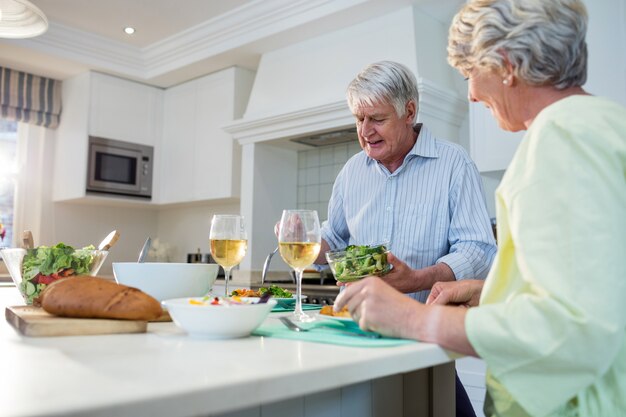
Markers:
{"x": 29, "y": 98}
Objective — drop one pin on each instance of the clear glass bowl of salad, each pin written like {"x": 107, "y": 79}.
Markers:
{"x": 356, "y": 262}
{"x": 33, "y": 269}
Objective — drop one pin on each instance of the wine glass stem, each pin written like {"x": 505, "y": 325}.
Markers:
{"x": 226, "y": 278}
{"x": 299, "y": 311}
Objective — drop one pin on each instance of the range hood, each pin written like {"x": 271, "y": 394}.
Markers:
{"x": 328, "y": 138}
{"x": 299, "y": 90}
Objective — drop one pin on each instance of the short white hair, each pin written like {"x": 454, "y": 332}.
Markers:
{"x": 384, "y": 82}
{"x": 544, "y": 40}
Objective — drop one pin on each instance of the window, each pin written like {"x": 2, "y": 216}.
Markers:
{"x": 8, "y": 172}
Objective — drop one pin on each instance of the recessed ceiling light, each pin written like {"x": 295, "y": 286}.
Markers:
{"x": 129, "y": 30}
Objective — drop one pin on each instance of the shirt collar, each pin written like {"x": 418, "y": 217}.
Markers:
{"x": 424, "y": 145}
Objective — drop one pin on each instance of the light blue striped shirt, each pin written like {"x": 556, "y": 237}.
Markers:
{"x": 430, "y": 210}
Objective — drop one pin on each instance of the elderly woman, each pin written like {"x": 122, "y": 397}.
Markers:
{"x": 551, "y": 320}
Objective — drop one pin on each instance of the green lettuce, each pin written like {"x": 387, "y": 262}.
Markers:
{"x": 360, "y": 261}
{"x": 50, "y": 260}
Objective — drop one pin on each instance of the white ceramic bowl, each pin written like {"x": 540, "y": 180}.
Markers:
{"x": 217, "y": 321}
{"x": 167, "y": 280}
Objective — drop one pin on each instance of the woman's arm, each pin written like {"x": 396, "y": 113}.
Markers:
{"x": 378, "y": 307}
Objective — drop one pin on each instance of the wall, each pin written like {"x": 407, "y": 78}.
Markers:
{"x": 80, "y": 225}
{"x": 317, "y": 170}
{"x": 186, "y": 229}
{"x": 268, "y": 186}
{"x": 606, "y": 41}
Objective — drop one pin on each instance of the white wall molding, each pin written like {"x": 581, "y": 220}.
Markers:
{"x": 288, "y": 125}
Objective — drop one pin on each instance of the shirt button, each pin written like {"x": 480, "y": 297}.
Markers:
{"x": 388, "y": 208}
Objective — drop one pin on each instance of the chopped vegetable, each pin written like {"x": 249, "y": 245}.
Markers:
{"x": 218, "y": 301}
{"x": 243, "y": 292}
{"x": 357, "y": 262}
{"x": 275, "y": 290}
{"x": 46, "y": 264}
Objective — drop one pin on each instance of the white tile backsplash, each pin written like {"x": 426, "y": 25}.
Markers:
{"x": 312, "y": 194}
{"x": 312, "y": 158}
{"x": 340, "y": 153}
{"x": 312, "y": 175}
{"x": 327, "y": 174}
{"x": 327, "y": 156}
{"x": 317, "y": 170}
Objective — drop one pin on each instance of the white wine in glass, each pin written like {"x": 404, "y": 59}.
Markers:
{"x": 299, "y": 241}
{"x": 228, "y": 243}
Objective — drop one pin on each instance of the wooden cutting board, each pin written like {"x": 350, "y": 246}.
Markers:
{"x": 34, "y": 321}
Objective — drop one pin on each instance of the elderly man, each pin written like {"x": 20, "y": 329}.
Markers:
{"x": 421, "y": 195}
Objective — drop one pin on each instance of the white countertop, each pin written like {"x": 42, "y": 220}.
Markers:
{"x": 166, "y": 373}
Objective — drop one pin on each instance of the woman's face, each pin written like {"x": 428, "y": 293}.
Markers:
{"x": 487, "y": 86}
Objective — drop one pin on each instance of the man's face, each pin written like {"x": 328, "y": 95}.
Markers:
{"x": 383, "y": 135}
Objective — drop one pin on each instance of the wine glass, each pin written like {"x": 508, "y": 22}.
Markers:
{"x": 228, "y": 242}
{"x": 299, "y": 241}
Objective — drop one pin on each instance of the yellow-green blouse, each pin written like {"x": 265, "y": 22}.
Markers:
{"x": 551, "y": 324}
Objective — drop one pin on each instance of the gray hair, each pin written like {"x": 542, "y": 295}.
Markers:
{"x": 544, "y": 40}
{"x": 384, "y": 82}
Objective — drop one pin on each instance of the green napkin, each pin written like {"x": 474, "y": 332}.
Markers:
{"x": 325, "y": 331}
{"x": 284, "y": 308}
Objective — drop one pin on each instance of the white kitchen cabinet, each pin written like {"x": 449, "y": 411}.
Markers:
{"x": 491, "y": 147}
{"x": 200, "y": 161}
{"x": 100, "y": 105}
{"x": 125, "y": 110}
{"x": 178, "y": 142}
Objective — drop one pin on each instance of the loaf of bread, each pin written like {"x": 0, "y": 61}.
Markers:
{"x": 92, "y": 297}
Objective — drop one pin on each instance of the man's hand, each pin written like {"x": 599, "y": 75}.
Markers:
{"x": 401, "y": 277}
{"x": 408, "y": 280}
{"x": 464, "y": 293}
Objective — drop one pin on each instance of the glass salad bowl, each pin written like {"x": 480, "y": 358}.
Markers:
{"x": 33, "y": 269}
{"x": 356, "y": 262}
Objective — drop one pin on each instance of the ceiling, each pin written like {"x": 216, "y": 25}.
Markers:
{"x": 178, "y": 40}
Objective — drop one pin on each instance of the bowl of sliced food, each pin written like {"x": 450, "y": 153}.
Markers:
{"x": 33, "y": 269}
{"x": 284, "y": 298}
{"x": 356, "y": 262}
{"x": 217, "y": 317}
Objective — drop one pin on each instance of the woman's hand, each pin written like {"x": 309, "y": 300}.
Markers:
{"x": 376, "y": 306}
{"x": 462, "y": 293}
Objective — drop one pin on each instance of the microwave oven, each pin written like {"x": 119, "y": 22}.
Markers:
{"x": 122, "y": 168}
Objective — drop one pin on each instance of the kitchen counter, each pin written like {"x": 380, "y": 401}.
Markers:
{"x": 166, "y": 373}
